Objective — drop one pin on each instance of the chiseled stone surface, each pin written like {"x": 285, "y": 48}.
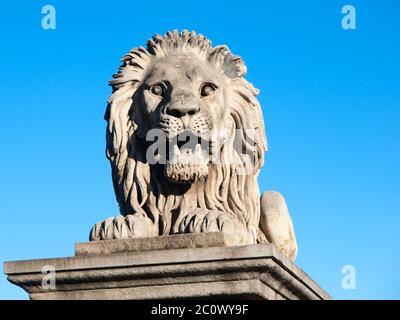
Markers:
{"x": 254, "y": 272}
{"x": 179, "y": 241}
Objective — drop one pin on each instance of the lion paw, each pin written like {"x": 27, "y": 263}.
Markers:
{"x": 120, "y": 227}
{"x": 215, "y": 221}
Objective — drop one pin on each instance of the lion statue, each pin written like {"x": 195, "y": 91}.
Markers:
{"x": 181, "y": 85}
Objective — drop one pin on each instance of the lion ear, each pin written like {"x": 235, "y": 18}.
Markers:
{"x": 232, "y": 66}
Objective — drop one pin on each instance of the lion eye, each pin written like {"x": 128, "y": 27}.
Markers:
{"x": 158, "y": 90}
{"x": 207, "y": 90}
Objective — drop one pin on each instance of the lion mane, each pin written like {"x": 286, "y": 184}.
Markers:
{"x": 142, "y": 190}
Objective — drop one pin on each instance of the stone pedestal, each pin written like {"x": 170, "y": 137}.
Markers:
{"x": 180, "y": 266}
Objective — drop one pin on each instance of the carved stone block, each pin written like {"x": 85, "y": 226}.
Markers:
{"x": 204, "y": 269}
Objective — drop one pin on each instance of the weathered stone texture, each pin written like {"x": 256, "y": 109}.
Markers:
{"x": 205, "y": 270}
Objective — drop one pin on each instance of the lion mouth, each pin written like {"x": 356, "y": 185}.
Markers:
{"x": 188, "y": 158}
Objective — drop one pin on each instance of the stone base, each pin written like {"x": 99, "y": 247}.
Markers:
{"x": 173, "y": 267}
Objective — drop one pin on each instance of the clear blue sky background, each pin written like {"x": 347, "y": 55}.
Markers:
{"x": 331, "y": 103}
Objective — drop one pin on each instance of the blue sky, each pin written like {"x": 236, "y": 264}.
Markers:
{"x": 331, "y": 103}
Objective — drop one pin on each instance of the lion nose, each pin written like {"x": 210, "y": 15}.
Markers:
{"x": 180, "y": 111}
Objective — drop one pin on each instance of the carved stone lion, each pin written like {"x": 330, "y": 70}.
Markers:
{"x": 181, "y": 84}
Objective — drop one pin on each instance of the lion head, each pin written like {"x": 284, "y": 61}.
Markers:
{"x": 179, "y": 85}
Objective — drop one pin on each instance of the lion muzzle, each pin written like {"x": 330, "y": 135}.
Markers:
{"x": 188, "y": 159}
